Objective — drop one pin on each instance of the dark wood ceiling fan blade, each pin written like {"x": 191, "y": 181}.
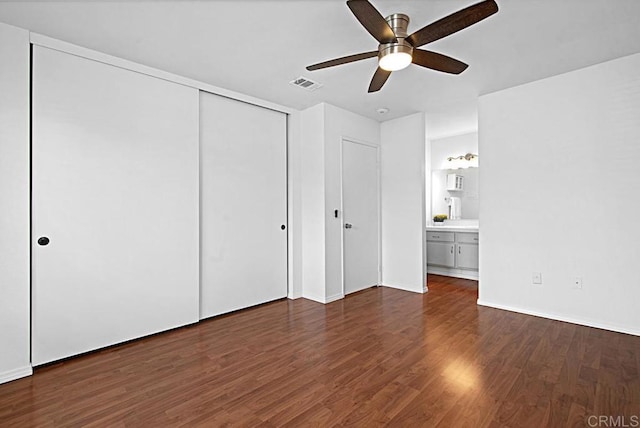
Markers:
{"x": 372, "y": 21}
{"x": 453, "y": 23}
{"x": 439, "y": 62}
{"x": 379, "y": 79}
{"x": 343, "y": 60}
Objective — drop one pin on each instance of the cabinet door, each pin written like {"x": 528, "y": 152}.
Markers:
{"x": 440, "y": 254}
{"x": 467, "y": 256}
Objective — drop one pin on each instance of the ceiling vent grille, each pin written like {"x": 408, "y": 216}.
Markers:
{"x": 306, "y": 84}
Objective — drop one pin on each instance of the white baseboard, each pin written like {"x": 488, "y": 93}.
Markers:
{"x": 456, "y": 273}
{"x": 313, "y": 297}
{"x": 293, "y": 296}
{"x": 323, "y": 300}
{"x": 556, "y": 317}
{"x": 334, "y": 298}
{"x": 422, "y": 289}
{"x": 14, "y": 374}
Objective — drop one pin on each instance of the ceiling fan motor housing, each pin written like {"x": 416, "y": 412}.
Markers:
{"x": 399, "y": 23}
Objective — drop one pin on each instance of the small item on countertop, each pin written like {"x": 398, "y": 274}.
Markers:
{"x": 439, "y": 218}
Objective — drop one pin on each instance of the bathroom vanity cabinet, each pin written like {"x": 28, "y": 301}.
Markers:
{"x": 453, "y": 252}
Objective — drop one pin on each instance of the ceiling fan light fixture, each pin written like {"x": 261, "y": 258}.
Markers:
{"x": 396, "y": 46}
{"x": 395, "y": 56}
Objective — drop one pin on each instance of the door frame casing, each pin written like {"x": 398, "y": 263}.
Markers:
{"x": 343, "y": 140}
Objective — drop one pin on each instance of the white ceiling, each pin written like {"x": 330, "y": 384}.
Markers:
{"x": 257, "y": 47}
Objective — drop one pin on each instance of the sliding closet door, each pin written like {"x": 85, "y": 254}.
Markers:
{"x": 114, "y": 205}
{"x": 243, "y": 205}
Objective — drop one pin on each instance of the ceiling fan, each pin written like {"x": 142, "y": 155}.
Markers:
{"x": 396, "y": 49}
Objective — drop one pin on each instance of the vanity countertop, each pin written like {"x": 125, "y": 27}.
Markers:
{"x": 453, "y": 228}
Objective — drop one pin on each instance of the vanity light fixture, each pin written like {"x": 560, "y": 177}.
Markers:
{"x": 463, "y": 161}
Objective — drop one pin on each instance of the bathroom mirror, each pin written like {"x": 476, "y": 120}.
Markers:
{"x": 468, "y": 196}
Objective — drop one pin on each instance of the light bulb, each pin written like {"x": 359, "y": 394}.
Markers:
{"x": 395, "y": 61}
{"x": 395, "y": 56}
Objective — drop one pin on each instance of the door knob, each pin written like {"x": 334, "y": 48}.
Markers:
{"x": 283, "y": 227}
{"x": 348, "y": 225}
{"x": 43, "y": 240}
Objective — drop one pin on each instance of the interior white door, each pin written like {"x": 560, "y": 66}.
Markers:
{"x": 115, "y": 191}
{"x": 243, "y": 204}
{"x": 361, "y": 208}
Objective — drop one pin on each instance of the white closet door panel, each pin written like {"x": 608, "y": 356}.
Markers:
{"x": 243, "y": 205}
{"x": 115, "y": 188}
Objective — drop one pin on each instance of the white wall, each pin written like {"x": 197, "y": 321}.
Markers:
{"x": 559, "y": 184}
{"x": 427, "y": 174}
{"x": 312, "y": 204}
{"x": 14, "y": 200}
{"x": 322, "y": 129}
{"x": 294, "y": 214}
{"x": 403, "y": 203}
{"x": 442, "y": 148}
{"x": 339, "y": 123}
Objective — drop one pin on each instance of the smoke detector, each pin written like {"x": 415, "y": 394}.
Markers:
{"x": 382, "y": 110}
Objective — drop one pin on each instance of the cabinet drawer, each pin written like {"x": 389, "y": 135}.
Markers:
{"x": 440, "y": 236}
{"x": 467, "y": 238}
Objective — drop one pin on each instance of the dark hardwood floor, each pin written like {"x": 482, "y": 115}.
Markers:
{"x": 378, "y": 357}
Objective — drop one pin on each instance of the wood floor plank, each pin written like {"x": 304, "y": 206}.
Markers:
{"x": 380, "y": 357}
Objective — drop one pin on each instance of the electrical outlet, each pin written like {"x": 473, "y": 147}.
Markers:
{"x": 536, "y": 278}
{"x": 577, "y": 282}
